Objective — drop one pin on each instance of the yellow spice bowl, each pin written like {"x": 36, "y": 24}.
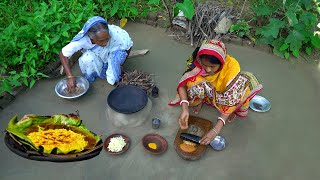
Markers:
{"x": 154, "y": 144}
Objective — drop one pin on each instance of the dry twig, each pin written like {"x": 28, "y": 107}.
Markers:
{"x": 138, "y": 78}
{"x": 206, "y": 18}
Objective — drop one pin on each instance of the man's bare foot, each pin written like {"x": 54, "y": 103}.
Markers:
{"x": 196, "y": 109}
{"x": 232, "y": 117}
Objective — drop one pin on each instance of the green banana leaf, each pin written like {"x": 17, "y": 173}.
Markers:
{"x": 31, "y": 123}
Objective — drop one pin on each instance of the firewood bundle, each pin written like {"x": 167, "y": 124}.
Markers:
{"x": 140, "y": 79}
{"x": 206, "y": 18}
{"x": 206, "y": 23}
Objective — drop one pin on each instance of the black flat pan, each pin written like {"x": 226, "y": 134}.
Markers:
{"x": 127, "y": 99}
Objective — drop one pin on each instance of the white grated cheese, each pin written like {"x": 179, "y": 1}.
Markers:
{"x": 116, "y": 144}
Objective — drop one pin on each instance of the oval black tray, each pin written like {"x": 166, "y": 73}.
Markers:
{"x": 20, "y": 150}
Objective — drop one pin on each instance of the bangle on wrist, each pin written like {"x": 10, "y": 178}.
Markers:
{"x": 184, "y": 101}
{"x": 221, "y": 119}
{"x": 215, "y": 131}
{"x": 70, "y": 76}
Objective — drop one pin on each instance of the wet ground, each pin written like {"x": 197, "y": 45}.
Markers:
{"x": 280, "y": 144}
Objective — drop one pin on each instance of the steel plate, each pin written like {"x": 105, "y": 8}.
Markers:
{"x": 260, "y": 104}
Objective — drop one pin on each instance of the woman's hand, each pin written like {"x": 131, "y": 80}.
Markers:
{"x": 184, "y": 115}
{"x": 206, "y": 139}
{"x": 71, "y": 84}
{"x": 183, "y": 119}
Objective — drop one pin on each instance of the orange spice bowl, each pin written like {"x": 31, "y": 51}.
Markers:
{"x": 159, "y": 141}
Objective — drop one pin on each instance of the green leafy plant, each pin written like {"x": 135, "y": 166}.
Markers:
{"x": 123, "y": 8}
{"x": 33, "y": 39}
{"x": 241, "y": 28}
{"x": 128, "y": 8}
{"x": 288, "y": 26}
{"x": 146, "y": 6}
{"x": 186, "y": 7}
{"x": 33, "y": 32}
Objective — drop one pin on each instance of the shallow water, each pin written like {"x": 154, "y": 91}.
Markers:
{"x": 279, "y": 144}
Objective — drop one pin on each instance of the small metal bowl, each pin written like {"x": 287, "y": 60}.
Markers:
{"x": 82, "y": 86}
{"x": 260, "y": 104}
{"x": 219, "y": 143}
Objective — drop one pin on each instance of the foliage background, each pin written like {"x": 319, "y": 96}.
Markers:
{"x": 290, "y": 27}
{"x": 33, "y": 32}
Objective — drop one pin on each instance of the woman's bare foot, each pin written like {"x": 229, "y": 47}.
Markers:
{"x": 232, "y": 117}
{"x": 196, "y": 109}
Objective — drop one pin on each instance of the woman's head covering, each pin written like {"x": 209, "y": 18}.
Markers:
{"x": 91, "y": 22}
{"x": 215, "y": 48}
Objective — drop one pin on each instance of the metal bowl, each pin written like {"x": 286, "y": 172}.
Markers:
{"x": 219, "y": 143}
{"x": 260, "y": 104}
{"x": 82, "y": 86}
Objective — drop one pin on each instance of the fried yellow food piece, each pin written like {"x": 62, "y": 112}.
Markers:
{"x": 189, "y": 143}
{"x": 65, "y": 140}
{"x": 152, "y": 146}
{"x": 187, "y": 148}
